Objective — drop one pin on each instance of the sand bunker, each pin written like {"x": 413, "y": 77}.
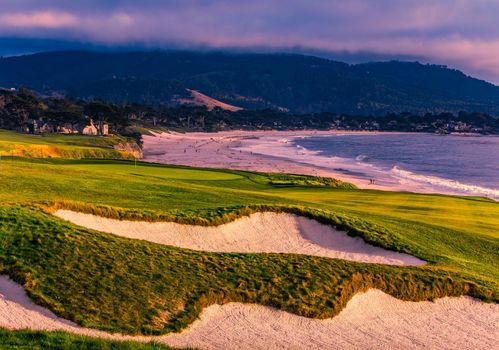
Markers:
{"x": 258, "y": 233}
{"x": 17, "y": 311}
{"x": 373, "y": 320}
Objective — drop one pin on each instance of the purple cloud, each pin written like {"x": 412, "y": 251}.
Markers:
{"x": 460, "y": 33}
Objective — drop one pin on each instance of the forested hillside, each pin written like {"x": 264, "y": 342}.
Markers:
{"x": 300, "y": 84}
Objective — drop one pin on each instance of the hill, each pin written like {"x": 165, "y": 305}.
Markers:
{"x": 300, "y": 84}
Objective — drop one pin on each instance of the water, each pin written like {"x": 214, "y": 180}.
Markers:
{"x": 464, "y": 164}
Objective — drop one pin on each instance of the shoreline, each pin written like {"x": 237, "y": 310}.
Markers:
{"x": 224, "y": 150}
{"x": 275, "y": 151}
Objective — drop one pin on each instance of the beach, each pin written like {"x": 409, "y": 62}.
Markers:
{"x": 268, "y": 151}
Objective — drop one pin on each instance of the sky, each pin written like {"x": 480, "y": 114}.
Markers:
{"x": 462, "y": 34}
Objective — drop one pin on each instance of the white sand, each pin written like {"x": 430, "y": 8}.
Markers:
{"x": 258, "y": 233}
{"x": 373, "y": 320}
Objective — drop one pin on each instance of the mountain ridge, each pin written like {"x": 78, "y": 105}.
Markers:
{"x": 298, "y": 83}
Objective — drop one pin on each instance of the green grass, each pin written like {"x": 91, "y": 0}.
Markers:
{"x": 15, "y": 144}
{"x": 116, "y": 284}
{"x": 286, "y": 180}
{"x": 59, "y": 340}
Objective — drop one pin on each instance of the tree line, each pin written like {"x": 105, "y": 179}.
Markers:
{"x": 20, "y": 106}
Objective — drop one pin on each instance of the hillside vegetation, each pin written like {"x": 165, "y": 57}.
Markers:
{"x": 301, "y": 84}
{"x": 117, "y": 284}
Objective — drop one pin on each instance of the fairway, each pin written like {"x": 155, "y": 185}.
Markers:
{"x": 54, "y": 260}
{"x": 152, "y": 172}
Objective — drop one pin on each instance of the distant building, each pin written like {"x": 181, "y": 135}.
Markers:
{"x": 105, "y": 129}
{"x": 101, "y": 129}
{"x": 45, "y": 127}
{"x": 89, "y": 129}
{"x": 66, "y": 129}
{"x": 39, "y": 126}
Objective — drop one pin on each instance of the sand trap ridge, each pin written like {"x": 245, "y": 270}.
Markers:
{"x": 258, "y": 233}
{"x": 373, "y": 320}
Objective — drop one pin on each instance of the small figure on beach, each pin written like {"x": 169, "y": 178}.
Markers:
{"x": 372, "y": 181}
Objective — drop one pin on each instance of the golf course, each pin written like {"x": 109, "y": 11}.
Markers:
{"x": 145, "y": 286}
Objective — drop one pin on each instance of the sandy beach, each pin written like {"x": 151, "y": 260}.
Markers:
{"x": 267, "y": 151}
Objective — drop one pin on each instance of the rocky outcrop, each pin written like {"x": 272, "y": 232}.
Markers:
{"x": 129, "y": 149}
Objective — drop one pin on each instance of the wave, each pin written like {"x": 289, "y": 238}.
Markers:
{"x": 362, "y": 158}
{"x": 448, "y": 183}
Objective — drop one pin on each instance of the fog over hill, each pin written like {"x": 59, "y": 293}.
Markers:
{"x": 300, "y": 84}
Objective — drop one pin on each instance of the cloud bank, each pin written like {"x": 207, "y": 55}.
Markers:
{"x": 460, "y": 33}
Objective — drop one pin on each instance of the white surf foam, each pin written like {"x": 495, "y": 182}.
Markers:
{"x": 447, "y": 183}
{"x": 360, "y": 165}
{"x": 291, "y": 151}
{"x": 361, "y": 158}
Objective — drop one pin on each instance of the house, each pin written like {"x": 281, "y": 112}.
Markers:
{"x": 66, "y": 129}
{"x": 89, "y": 129}
{"x": 44, "y": 127}
{"x": 101, "y": 129}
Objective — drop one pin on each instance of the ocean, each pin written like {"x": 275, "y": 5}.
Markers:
{"x": 458, "y": 163}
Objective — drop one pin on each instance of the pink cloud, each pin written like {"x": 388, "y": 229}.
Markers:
{"x": 460, "y": 33}
{"x": 39, "y": 19}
